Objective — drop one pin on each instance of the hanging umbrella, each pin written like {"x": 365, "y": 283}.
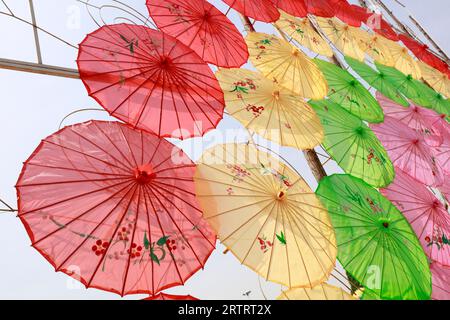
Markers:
{"x": 408, "y": 151}
{"x": 435, "y": 101}
{"x": 116, "y": 203}
{"x": 340, "y": 34}
{"x": 353, "y": 145}
{"x": 349, "y": 13}
{"x": 322, "y": 291}
{"x": 266, "y": 215}
{"x": 377, "y": 80}
{"x": 165, "y": 296}
{"x": 296, "y": 8}
{"x": 270, "y": 110}
{"x": 442, "y": 154}
{"x": 376, "y": 244}
{"x": 285, "y": 64}
{"x": 374, "y": 45}
{"x": 403, "y": 61}
{"x": 382, "y": 27}
{"x": 406, "y": 84}
{"x": 441, "y": 281}
{"x": 435, "y": 79}
{"x": 415, "y": 117}
{"x": 261, "y": 10}
{"x": 202, "y": 27}
{"x": 303, "y": 33}
{"x": 321, "y": 8}
{"x": 347, "y": 92}
{"x": 150, "y": 81}
{"x": 426, "y": 214}
{"x": 421, "y": 51}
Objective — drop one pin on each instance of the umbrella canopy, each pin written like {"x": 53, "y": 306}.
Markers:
{"x": 441, "y": 281}
{"x": 382, "y": 27}
{"x": 266, "y": 215}
{"x": 377, "y": 80}
{"x": 323, "y": 291}
{"x": 376, "y": 244}
{"x": 435, "y": 79}
{"x": 426, "y": 214}
{"x": 270, "y": 110}
{"x": 261, "y": 10}
{"x": 285, "y": 64}
{"x": 349, "y": 13}
{"x": 415, "y": 117}
{"x": 321, "y": 8}
{"x": 435, "y": 101}
{"x": 119, "y": 204}
{"x": 442, "y": 154}
{"x": 165, "y": 296}
{"x": 150, "y": 81}
{"x": 202, "y": 27}
{"x": 406, "y": 84}
{"x": 408, "y": 151}
{"x": 353, "y": 145}
{"x": 349, "y": 93}
{"x": 296, "y": 8}
{"x": 375, "y": 46}
{"x": 340, "y": 34}
{"x": 301, "y": 31}
{"x": 403, "y": 61}
{"x": 421, "y": 51}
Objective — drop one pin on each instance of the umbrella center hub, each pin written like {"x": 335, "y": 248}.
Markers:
{"x": 144, "y": 174}
{"x": 165, "y": 63}
{"x": 295, "y": 52}
{"x": 281, "y": 195}
{"x": 386, "y": 224}
{"x": 276, "y": 95}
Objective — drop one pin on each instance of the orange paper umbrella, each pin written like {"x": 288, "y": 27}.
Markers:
{"x": 202, "y": 27}
{"x": 150, "y": 80}
{"x": 320, "y": 292}
{"x": 114, "y": 208}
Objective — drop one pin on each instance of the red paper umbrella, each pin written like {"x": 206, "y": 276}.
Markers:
{"x": 165, "y": 296}
{"x": 422, "y": 53}
{"x": 381, "y": 26}
{"x": 261, "y": 10}
{"x": 115, "y": 208}
{"x": 202, "y": 27}
{"x": 150, "y": 80}
{"x": 296, "y": 8}
{"x": 426, "y": 214}
{"x": 321, "y": 8}
{"x": 408, "y": 151}
{"x": 350, "y": 14}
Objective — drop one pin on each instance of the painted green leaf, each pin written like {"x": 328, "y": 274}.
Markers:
{"x": 281, "y": 238}
{"x": 162, "y": 241}
{"x": 146, "y": 241}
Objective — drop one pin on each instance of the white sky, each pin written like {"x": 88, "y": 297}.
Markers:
{"x": 32, "y": 106}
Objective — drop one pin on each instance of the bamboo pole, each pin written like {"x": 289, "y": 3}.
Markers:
{"x": 400, "y": 24}
{"x": 38, "y": 68}
{"x": 35, "y": 32}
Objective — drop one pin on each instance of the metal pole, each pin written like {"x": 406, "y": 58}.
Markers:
{"x": 35, "y": 31}
{"x": 38, "y": 68}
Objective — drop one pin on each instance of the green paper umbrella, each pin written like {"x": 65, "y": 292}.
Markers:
{"x": 406, "y": 84}
{"x": 348, "y": 92}
{"x": 353, "y": 145}
{"x": 376, "y": 245}
{"x": 436, "y": 101}
{"x": 377, "y": 80}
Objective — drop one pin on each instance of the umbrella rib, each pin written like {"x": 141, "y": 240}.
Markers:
{"x": 77, "y": 170}
{"x": 127, "y": 267}
{"x": 178, "y": 197}
{"x": 234, "y": 186}
{"x": 112, "y": 236}
{"x": 81, "y": 215}
{"x": 273, "y": 242}
{"x": 74, "y": 197}
{"x": 150, "y": 239}
{"x": 69, "y": 182}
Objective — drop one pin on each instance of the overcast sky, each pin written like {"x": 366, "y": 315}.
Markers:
{"x": 32, "y": 106}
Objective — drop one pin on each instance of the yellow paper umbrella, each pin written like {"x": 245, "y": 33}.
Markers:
{"x": 342, "y": 37}
{"x": 403, "y": 61}
{"x": 270, "y": 110}
{"x": 436, "y": 79}
{"x": 285, "y": 64}
{"x": 373, "y": 45}
{"x": 266, "y": 215}
{"x": 321, "y": 292}
{"x": 304, "y": 33}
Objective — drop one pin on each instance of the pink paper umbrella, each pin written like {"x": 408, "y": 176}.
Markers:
{"x": 442, "y": 154}
{"x": 445, "y": 188}
{"x": 441, "y": 281}
{"x": 115, "y": 208}
{"x": 415, "y": 117}
{"x": 408, "y": 151}
{"x": 426, "y": 214}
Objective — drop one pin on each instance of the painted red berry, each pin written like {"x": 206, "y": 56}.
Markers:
{"x": 99, "y": 242}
